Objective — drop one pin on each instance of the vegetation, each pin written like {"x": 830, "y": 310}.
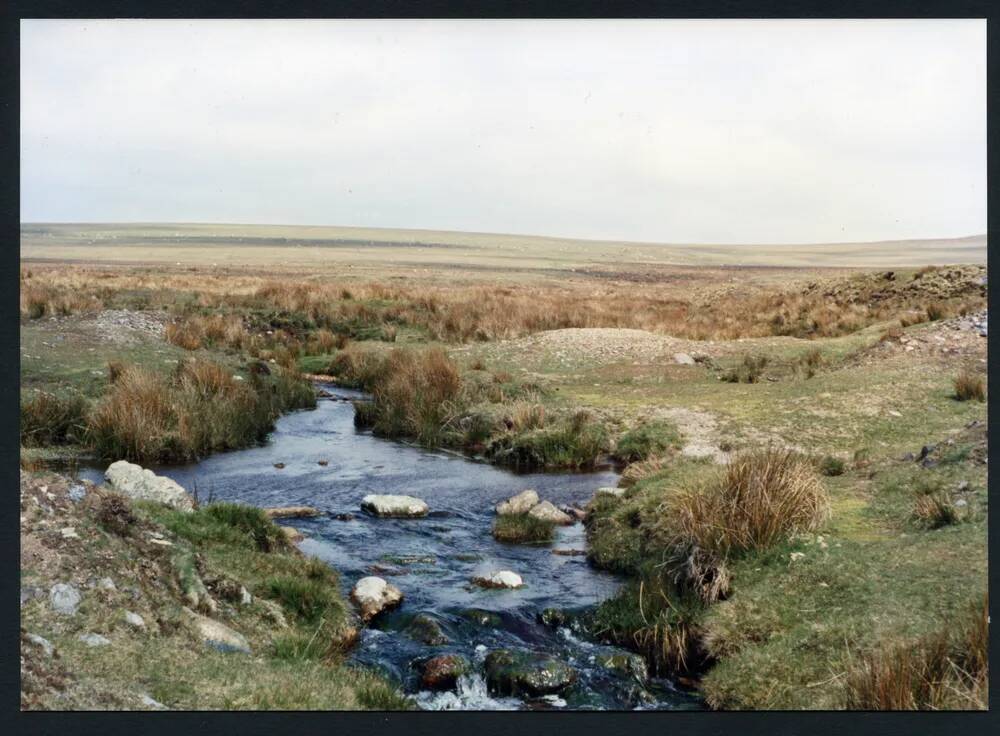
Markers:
{"x": 49, "y": 419}
{"x": 647, "y": 440}
{"x": 523, "y": 529}
{"x": 969, "y": 385}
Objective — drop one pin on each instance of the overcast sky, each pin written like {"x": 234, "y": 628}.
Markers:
{"x": 669, "y": 131}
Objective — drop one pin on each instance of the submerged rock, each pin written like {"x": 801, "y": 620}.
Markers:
{"x": 398, "y": 506}
{"x": 291, "y": 512}
{"x": 442, "y": 672}
{"x": 499, "y": 579}
{"x": 136, "y": 482}
{"x": 546, "y": 511}
{"x": 512, "y": 672}
{"x": 522, "y": 503}
{"x": 292, "y": 534}
{"x": 373, "y": 595}
{"x": 424, "y": 628}
{"x": 627, "y": 664}
{"x": 217, "y": 635}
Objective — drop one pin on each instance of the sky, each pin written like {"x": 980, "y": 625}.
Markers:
{"x": 660, "y": 131}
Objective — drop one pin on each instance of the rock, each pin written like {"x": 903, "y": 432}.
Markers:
{"x": 76, "y": 492}
{"x": 69, "y": 532}
{"x": 545, "y": 511}
{"x": 925, "y": 451}
{"x": 482, "y": 618}
{"x": 150, "y": 703}
{"x": 626, "y": 664}
{"x": 279, "y": 466}
{"x": 554, "y": 617}
{"x": 94, "y": 640}
{"x": 963, "y": 486}
{"x": 344, "y": 517}
{"x": 291, "y": 512}
{"x": 64, "y": 599}
{"x": 510, "y": 672}
{"x": 424, "y": 628}
{"x": 324, "y": 463}
{"x": 44, "y": 644}
{"x": 292, "y": 534}
{"x": 134, "y": 620}
{"x": 373, "y": 595}
{"x": 576, "y": 513}
{"x": 217, "y": 635}
{"x": 442, "y": 672}
{"x": 245, "y": 598}
{"x": 274, "y": 612}
{"x": 522, "y": 503}
{"x": 569, "y": 552}
{"x": 499, "y": 579}
{"x": 961, "y": 503}
{"x": 106, "y": 584}
{"x": 396, "y": 506}
{"x": 31, "y": 592}
{"x": 609, "y": 491}
{"x": 683, "y": 359}
{"x": 141, "y": 484}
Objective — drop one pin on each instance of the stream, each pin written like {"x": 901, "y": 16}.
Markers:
{"x": 433, "y": 558}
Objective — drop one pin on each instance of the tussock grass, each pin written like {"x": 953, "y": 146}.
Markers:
{"x": 522, "y": 529}
{"x": 934, "y": 510}
{"x": 947, "y": 669}
{"x": 51, "y": 419}
{"x": 199, "y": 409}
{"x": 750, "y": 370}
{"x": 970, "y": 385}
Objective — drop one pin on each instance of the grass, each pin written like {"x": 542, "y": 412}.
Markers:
{"x": 522, "y": 529}
{"x": 52, "y": 419}
{"x": 969, "y": 386}
{"x": 201, "y": 408}
{"x": 749, "y": 370}
{"x": 647, "y": 440}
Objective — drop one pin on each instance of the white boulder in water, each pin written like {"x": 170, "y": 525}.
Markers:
{"x": 522, "y": 503}
{"x": 499, "y": 579}
{"x": 140, "y": 484}
{"x": 374, "y": 595}
{"x": 404, "y": 506}
{"x": 545, "y": 511}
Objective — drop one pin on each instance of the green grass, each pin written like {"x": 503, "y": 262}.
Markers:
{"x": 523, "y": 529}
{"x": 647, "y": 440}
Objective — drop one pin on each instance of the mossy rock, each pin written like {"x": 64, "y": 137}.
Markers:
{"x": 511, "y": 672}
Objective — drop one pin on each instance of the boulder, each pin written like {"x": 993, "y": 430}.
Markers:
{"x": 39, "y": 641}
{"x": 406, "y": 507}
{"x": 138, "y": 483}
{"x": 94, "y": 640}
{"x": 134, "y": 620}
{"x": 64, "y": 599}
{"x": 683, "y": 359}
{"x": 632, "y": 665}
{"x": 373, "y": 595}
{"x": 575, "y": 512}
{"x": 609, "y": 491}
{"x": 514, "y": 672}
{"x": 546, "y": 511}
{"x": 442, "y": 672}
{"x": 499, "y": 579}
{"x": 522, "y": 503}
{"x": 291, "y": 512}
{"x": 425, "y": 628}
{"x": 218, "y": 635}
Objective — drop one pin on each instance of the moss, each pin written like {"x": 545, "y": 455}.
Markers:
{"x": 522, "y": 529}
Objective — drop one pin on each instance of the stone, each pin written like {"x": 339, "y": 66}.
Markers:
{"x": 961, "y": 503}
{"x": 963, "y": 486}
{"x": 44, "y": 644}
{"x": 499, "y": 579}
{"x": 373, "y": 595}
{"x": 217, "y": 635}
{"x": 424, "y": 628}
{"x": 106, "y": 584}
{"x": 94, "y": 640}
{"x": 609, "y": 491}
{"x": 279, "y": 466}
{"x": 274, "y": 612}
{"x": 442, "y": 672}
{"x": 291, "y": 512}
{"x": 546, "y": 511}
{"x": 517, "y": 673}
{"x": 683, "y": 359}
{"x": 76, "y": 492}
{"x": 134, "y": 620}
{"x": 627, "y": 664}
{"x": 292, "y": 534}
{"x": 576, "y": 513}
{"x": 568, "y": 552}
{"x": 64, "y": 599}
{"x": 150, "y": 703}
{"x": 522, "y": 503}
{"x": 69, "y": 532}
{"x": 245, "y": 598}
{"x": 406, "y": 507}
{"x": 139, "y": 483}
{"x": 30, "y": 592}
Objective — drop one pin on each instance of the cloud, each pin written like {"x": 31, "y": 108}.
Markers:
{"x": 673, "y": 131}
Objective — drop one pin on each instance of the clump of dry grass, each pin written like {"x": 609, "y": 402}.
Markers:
{"x": 934, "y": 510}
{"x": 636, "y": 472}
{"x": 48, "y": 419}
{"x": 810, "y": 362}
{"x": 946, "y": 670}
{"x": 750, "y": 370}
{"x": 761, "y": 499}
{"x": 970, "y": 385}
{"x": 199, "y": 331}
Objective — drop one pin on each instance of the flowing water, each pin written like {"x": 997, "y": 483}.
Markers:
{"x": 433, "y": 558}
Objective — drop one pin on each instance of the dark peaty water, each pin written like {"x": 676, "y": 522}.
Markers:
{"x": 432, "y": 559}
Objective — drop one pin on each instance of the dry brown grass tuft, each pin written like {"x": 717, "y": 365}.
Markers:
{"x": 947, "y": 670}
{"x": 934, "y": 510}
{"x": 641, "y": 470}
{"x": 970, "y": 385}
